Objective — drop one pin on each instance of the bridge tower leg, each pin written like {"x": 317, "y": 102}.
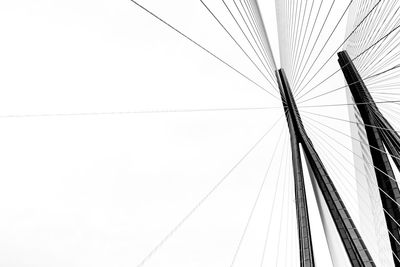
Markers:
{"x": 303, "y": 223}
{"x": 353, "y": 244}
{"x": 380, "y": 134}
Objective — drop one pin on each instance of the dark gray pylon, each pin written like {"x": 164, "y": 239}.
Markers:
{"x": 380, "y": 134}
{"x": 353, "y": 244}
{"x": 303, "y": 223}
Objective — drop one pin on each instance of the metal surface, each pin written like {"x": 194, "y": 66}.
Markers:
{"x": 303, "y": 223}
{"x": 354, "y": 246}
{"x": 380, "y": 134}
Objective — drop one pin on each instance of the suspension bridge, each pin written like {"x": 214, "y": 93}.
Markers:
{"x": 326, "y": 73}
{"x": 367, "y": 52}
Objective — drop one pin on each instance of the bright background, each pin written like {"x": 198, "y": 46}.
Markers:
{"x": 103, "y": 190}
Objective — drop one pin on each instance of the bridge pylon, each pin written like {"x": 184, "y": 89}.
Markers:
{"x": 380, "y": 135}
{"x": 353, "y": 244}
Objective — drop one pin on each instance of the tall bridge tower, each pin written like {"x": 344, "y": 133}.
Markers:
{"x": 354, "y": 246}
{"x": 383, "y": 140}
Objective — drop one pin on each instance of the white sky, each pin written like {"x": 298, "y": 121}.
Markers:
{"x": 103, "y": 190}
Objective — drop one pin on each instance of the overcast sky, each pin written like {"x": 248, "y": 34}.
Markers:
{"x": 105, "y": 189}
